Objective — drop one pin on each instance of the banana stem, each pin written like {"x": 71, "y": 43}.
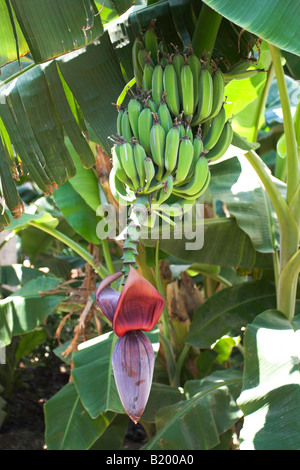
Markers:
{"x": 139, "y": 214}
{"x": 288, "y": 286}
{"x": 293, "y": 167}
{"x": 107, "y": 256}
{"x": 73, "y": 245}
{"x": 206, "y": 31}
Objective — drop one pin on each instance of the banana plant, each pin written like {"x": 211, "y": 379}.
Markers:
{"x": 63, "y": 65}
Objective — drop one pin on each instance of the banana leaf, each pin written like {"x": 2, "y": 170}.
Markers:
{"x": 275, "y": 22}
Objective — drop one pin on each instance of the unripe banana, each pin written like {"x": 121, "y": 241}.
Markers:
{"x": 164, "y": 116}
{"x": 192, "y": 198}
{"x": 128, "y": 164}
{"x": 218, "y": 92}
{"x": 147, "y": 75}
{"x": 118, "y": 167}
{"x": 157, "y": 145}
{"x": 150, "y": 172}
{"x": 215, "y": 130}
{"x": 178, "y": 62}
{"x": 198, "y": 181}
{"x": 205, "y": 100}
{"x": 241, "y": 70}
{"x": 187, "y": 87}
{"x": 171, "y": 152}
{"x": 195, "y": 65}
{"x": 205, "y": 126}
{"x": 198, "y": 149}
{"x": 122, "y": 194}
{"x": 126, "y": 127}
{"x": 134, "y": 109}
{"x": 139, "y": 159}
{"x": 157, "y": 84}
{"x": 198, "y": 146}
{"x": 164, "y": 192}
{"x": 137, "y": 69}
{"x": 150, "y": 42}
{"x": 119, "y": 121}
{"x": 185, "y": 159}
{"x": 144, "y": 57}
{"x": 144, "y": 128}
{"x": 223, "y": 143}
{"x": 171, "y": 89}
{"x": 150, "y": 103}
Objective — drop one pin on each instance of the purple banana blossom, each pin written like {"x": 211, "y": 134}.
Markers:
{"x": 137, "y": 308}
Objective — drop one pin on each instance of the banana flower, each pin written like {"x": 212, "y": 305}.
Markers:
{"x": 136, "y": 309}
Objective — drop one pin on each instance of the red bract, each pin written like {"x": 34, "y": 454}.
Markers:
{"x": 138, "y": 307}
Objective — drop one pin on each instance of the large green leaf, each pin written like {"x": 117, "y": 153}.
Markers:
{"x": 93, "y": 376}
{"x": 246, "y": 98}
{"x": 85, "y": 182}
{"x": 13, "y": 43}
{"x": 270, "y": 399}
{"x": 236, "y": 184}
{"x": 26, "y": 308}
{"x": 208, "y": 411}
{"x": 68, "y": 425}
{"x": 225, "y": 244}
{"x": 52, "y": 28}
{"x": 275, "y": 22}
{"x": 77, "y": 212}
{"x": 94, "y": 77}
{"x": 231, "y": 308}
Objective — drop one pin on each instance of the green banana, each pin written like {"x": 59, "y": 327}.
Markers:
{"x": 126, "y": 127}
{"x": 178, "y": 62}
{"x": 134, "y": 109}
{"x": 147, "y": 75}
{"x": 119, "y": 121}
{"x": 198, "y": 146}
{"x": 164, "y": 193}
{"x": 205, "y": 100}
{"x": 123, "y": 195}
{"x": 150, "y": 103}
{"x": 198, "y": 181}
{"x": 171, "y": 151}
{"x": 137, "y": 69}
{"x": 187, "y": 87}
{"x": 144, "y": 128}
{"x": 157, "y": 145}
{"x": 195, "y": 65}
{"x": 240, "y": 71}
{"x": 176, "y": 209}
{"x": 223, "y": 143}
{"x": 139, "y": 155}
{"x": 218, "y": 92}
{"x": 150, "y": 41}
{"x": 149, "y": 171}
{"x": 144, "y": 57}
{"x": 205, "y": 126}
{"x": 171, "y": 88}
{"x": 185, "y": 159}
{"x": 157, "y": 84}
{"x": 195, "y": 196}
{"x": 118, "y": 167}
{"x": 128, "y": 164}
{"x": 164, "y": 116}
{"x": 215, "y": 130}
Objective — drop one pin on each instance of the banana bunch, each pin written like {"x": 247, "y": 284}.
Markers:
{"x": 187, "y": 87}
{"x": 156, "y": 155}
